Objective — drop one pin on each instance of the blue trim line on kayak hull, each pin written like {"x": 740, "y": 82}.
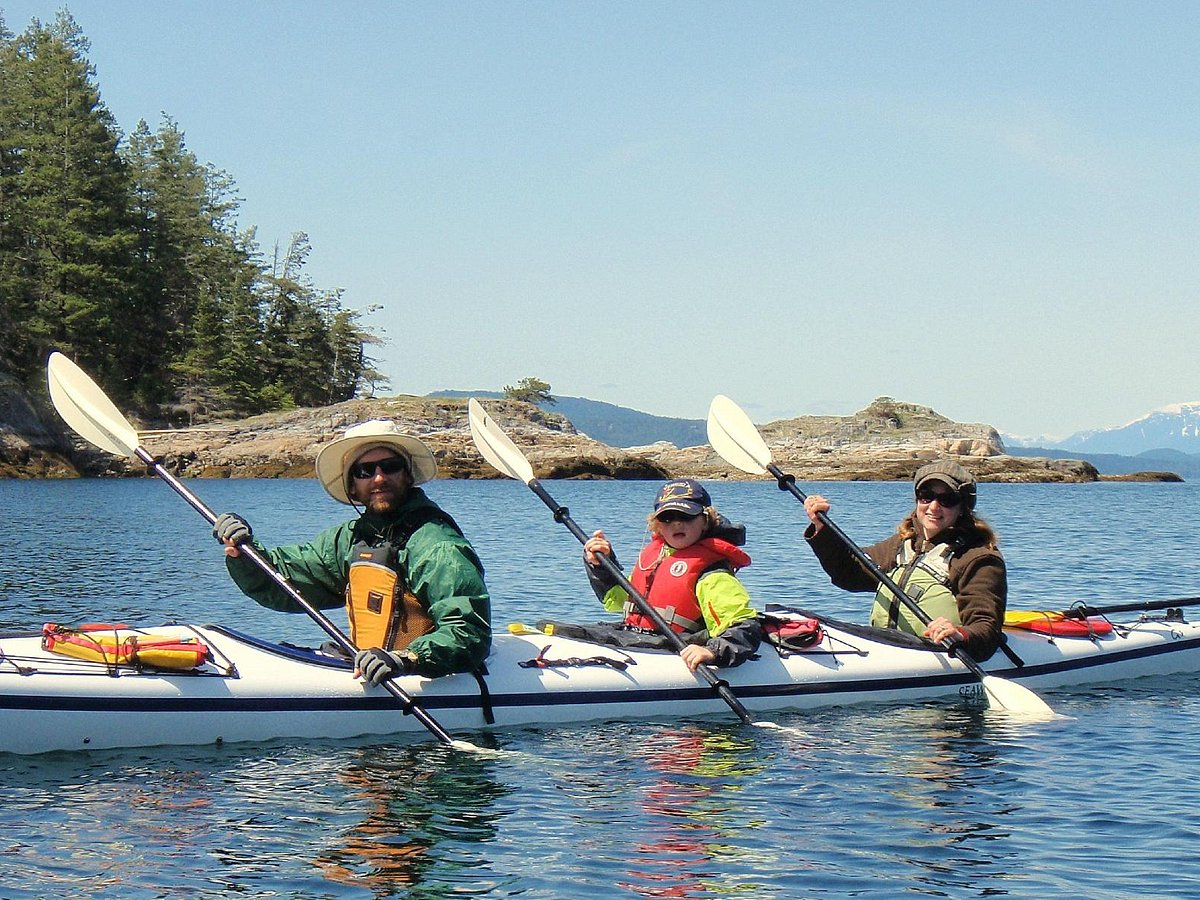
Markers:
{"x": 1088, "y": 662}
{"x": 624, "y": 696}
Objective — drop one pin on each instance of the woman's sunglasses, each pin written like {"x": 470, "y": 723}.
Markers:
{"x": 948, "y": 499}
{"x": 389, "y": 466}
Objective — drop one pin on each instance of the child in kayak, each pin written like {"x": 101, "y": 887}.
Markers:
{"x": 686, "y": 572}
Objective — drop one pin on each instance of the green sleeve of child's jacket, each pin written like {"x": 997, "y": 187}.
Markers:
{"x": 724, "y": 601}
{"x": 615, "y": 599}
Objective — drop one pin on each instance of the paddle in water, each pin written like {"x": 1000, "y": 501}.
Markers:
{"x": 499, "y": 450}
{"x": 738, "y": 442}
{"x": 89, "y": 411}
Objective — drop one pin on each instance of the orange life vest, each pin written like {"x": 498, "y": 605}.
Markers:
{"x": 669, "y": 582}
{"x": 382, "y": 611}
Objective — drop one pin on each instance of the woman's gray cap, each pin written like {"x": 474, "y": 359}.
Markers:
{"x": 950, "y": 474}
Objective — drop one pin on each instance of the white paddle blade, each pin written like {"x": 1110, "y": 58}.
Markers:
{"x": 735, "y": 438}
{"x": 494, "y": 445}
{"x": 87, "y": 409}
{"x": 1013, "y": 698}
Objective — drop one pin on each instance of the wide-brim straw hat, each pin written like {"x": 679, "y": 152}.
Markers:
{"x": 335, "y": 458}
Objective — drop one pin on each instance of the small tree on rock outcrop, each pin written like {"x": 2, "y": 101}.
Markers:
{"x": 531, "y": 390}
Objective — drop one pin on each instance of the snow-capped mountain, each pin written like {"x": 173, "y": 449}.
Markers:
{"x": 1174, "y": 427}
{"x": 1012, "y": 441}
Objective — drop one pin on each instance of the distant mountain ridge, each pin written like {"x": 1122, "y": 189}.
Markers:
{"x": 1165, "y": 440}
{"x": 1174, "y": 427}
{"x": 1186, "y": 465}
{"x": 617, "y": 426}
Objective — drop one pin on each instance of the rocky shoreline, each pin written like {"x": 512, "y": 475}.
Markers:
{"x": 888, "y": 440}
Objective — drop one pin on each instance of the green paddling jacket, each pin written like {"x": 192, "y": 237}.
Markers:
{"x": 438, "y": 564}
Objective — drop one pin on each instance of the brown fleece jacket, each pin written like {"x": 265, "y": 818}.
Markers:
{"x": 978, "y": 579}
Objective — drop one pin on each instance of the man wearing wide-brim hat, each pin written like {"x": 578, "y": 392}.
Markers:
{"x": 410, "y": 581}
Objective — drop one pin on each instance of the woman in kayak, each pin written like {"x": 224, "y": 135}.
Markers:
{"x": 686, "y": 572}
{"x": 943, "y": 555}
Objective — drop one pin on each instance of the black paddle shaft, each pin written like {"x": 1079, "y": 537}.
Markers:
{"x": 788, "y": 483}
{"x": 563, "y": 514}
{"x": 407, "y": 702}
{"x": 1082, "y": 610}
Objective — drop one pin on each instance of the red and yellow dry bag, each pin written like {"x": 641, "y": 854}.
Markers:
{"x": 1057, "y": 624}
{"x": 118, "y": 645}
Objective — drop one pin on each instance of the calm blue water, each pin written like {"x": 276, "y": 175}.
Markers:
{"x": 865, "y": 802}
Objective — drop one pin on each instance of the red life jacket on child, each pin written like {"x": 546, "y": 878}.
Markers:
{"x": 669, "y": 582}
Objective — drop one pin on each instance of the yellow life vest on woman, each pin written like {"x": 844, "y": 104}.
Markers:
{"x": 925, "y": 577}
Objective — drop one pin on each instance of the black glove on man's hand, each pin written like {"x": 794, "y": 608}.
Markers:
{"x": 377, "y": 666}
{"x": 231, "y": 528}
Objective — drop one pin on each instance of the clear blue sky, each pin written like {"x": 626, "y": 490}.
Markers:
{"x": 988, "y": 208}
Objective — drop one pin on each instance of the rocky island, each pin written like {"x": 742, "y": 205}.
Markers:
{"x": 887, "y": 440}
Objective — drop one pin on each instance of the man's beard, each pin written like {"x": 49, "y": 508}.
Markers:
{"x": 382, "y": 505}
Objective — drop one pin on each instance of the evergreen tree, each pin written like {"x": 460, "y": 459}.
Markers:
{"x": 129, "y": 258}
{"x": 240, "y": 367}
{"x": 68, "y": 258}
{"x": 286, "y": 327}
{"x": 531, "y": 390}
{"x": 354, "y": 371}
{"x": 16, "y": 294}
{"x": 191, "y": 264}
{"x": 316, "y": 348}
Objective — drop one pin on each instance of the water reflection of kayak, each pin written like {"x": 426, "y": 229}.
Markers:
{"x": 249, "y": 689}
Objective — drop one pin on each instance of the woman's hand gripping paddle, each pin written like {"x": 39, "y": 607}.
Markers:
{"x": 93, "y": 416}
{"x": 735, "y": 438}
{"x": 498, "y": 449}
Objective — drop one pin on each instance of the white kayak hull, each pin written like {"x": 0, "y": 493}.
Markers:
{"x": 257, "y": 691}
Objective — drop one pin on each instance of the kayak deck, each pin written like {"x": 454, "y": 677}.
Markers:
{"x": 256, "y": 690}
